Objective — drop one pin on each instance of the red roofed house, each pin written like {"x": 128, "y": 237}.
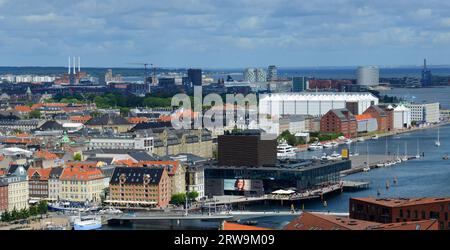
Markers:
{"x": 235, "y": 226}
{"x": 383, "y": 116}
{"x": 80, "y": 119}
{"x": 81, "y": 183}
{"x": 45, "y": 159}
{"x": 38, "y": 182}
{"x": 401, "y": 210}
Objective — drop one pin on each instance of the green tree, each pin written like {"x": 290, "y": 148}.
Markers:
{"x": 34, "y": 210}
{"x": 77, "y": 157}
{"x": 288, "y": 137}
{"x": 124, "y": 111}
{"x": 179, "y": 198}
{"x": 42, "y": 207}
{"x": 24, "y": 213}
{"x": 6, "y": 216}
{"x": 14, "y": 214}
{"x": 35, "y": 114}
{"x": 192, "y": 195}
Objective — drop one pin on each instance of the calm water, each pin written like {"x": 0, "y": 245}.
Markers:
{"x": 435, "y": 94}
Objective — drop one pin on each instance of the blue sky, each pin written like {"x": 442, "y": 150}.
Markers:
{"x": 224, "y": 33}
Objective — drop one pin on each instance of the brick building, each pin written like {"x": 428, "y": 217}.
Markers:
{"x": 317, "y": 221}
{"x": 339, "y": 121}
{"x": 3, "y": 195}
{"x": 139, "y": 186}
{"x": 38, "y": 182}
{"x": 401, "y": 210}
{"x": 383, "y": 116}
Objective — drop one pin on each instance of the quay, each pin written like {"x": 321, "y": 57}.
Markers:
{"x": 355, "y": 185}
{"x": 359, "y": 162}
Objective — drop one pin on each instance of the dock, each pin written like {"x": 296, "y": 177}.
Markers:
{"x": 355, "y": 185}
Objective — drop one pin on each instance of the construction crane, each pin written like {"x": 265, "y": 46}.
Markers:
{"x": 145, "y": 72}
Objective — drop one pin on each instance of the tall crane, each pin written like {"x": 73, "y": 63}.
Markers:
{"x": 145, "y": 72}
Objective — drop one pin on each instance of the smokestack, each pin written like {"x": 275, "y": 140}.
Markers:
{"x": 74, "y": 65}
{"x": 79, "y": 64}
{"x": 69, "y": 66}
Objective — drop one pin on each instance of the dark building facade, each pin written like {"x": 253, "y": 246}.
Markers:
{"x": 299, "y": 84}
{"x": 426, "y": 75}
{"x": 246, "y": 148}
{"x": 195, "y": 77}
{"x": 401, "y": 210}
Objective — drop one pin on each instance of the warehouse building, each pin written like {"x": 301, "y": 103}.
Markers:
{"x": 314, "y": 103}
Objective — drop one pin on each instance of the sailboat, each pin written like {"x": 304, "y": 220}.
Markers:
{"x": 367, "y": 168}
{"x": 437, "y": 143}
{"x": 405, "y": 157}
{"x": 418, "y": 154}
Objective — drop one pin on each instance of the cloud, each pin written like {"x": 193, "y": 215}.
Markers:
{"x": 224, "y": 33}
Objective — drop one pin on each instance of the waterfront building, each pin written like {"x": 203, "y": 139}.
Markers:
{"x": 3, "y": 195}
{"x": 314, "y": 103}
{"x": 339, "y": 121}
{"x": 249, "y": 75}
{"x": 250, "y": 180}
{"x": 383, "y": 115}
{"x": 261, "y": 75}
{"x": 299, "y": 84}
{"x": 54, "y": 183}
{"x": 389, "y": 210}
{"x": 293, "y": 123}
{"x": 139, "y": 186}
{"x": 319, "y": 221}
{"x": 402, "y": 117}
{"x": 424, "y": 112}
{"x": 113, "y": 122}
{"x": 427, "y": 78}
{"x": 195, "y": 77}
{"x": 81, "y": 183}
{"x": 247, "y": 148}
{"x": 272, "y": 73}
{"x": 366, "y": 123}
{"x": 137, "y": 141}
{"x": 368, "y": 76}
{"x": 18, "y": 192}
{"x": 38, "y": 183}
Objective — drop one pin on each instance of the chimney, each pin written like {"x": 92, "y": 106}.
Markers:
{"x": 69, "y": 66}
{"x": 79, "y": 64}
{"x": 74, "y": 66}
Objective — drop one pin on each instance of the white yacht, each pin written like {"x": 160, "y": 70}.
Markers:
{"x": 348, "y": 141}
{"x": 437, "y": 143}
{"x": 360, "y": 139}
{"x": 327, "y": 145}
{"x": 315, "y": 146}
{"x": 285, "y": 150}
{"x": 334, "y": 156}
{"x": 334, "y": 144}
{"x": 374, "y": 137}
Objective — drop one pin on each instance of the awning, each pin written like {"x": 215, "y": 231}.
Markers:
{"x": 281, "y": 191}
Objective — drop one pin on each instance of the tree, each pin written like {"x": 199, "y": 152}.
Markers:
{"x": 6, "y": 216}
{"x": 192, "y": 195}
{"x": 124, "y": 111}
{"x": 24, "y": 213}
{"x": 42, "y": 207}
{"x": 179, "y": 198}
{"x": 34, "y": 210}
{"x": 35, "y": 114}
{"x": 77, "y": 157}
{"x": 288, "y": 137}
{"x": 14, "y": 214}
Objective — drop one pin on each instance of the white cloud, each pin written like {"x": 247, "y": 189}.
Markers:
{"x": 49, "y": 17}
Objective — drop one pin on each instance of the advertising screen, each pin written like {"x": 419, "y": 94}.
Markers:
{"x": 237, "y": 184}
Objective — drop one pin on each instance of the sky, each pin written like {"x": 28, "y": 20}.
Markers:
{"x": 224, "y": 33}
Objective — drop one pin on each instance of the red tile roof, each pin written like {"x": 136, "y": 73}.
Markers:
{"x": 44, "y": 174}
{"x": 363, "y": 117}
{"x": 400, "y": 202}
{"x": 81, "y": 173}
{"x": 21, "y": 108}
{"x": 235, "y": 226}
{"x": 44, "y": 154}
{"x": 136, "y": 120}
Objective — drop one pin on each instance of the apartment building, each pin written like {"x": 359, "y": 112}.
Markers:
{"x": 81, "y": 184}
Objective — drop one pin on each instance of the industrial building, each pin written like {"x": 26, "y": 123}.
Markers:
{"x": 402, "y": 117}
{"x": 314, "y": 103}
{"x": 368, "y": 76}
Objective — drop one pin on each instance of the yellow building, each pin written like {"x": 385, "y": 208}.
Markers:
{"x": 82, "y": 183}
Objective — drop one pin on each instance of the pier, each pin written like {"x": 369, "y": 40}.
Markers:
{"x": 355, "y": 185}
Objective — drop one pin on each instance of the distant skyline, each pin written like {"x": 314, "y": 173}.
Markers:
{"x": 225, "y": 34}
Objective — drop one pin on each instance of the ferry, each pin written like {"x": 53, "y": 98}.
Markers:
{"x": 70, "y": 207}
{"x": 285, "y": 150}
{"x": 87, "y": 223}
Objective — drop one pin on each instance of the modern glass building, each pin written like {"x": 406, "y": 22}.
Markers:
{"x": 300, "y": 175}
{"x": 299, "y": 84}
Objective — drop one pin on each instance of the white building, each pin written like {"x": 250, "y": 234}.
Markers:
{"x": 368, "y": 76}
{"x": 314, "y": 103}
{"x": 424, "y": 112}
{"x": 255, "y": 75}
{"x": 402, "y": 117}
{"x": 272, "y": 73}
{"x": 128, "y": 142}
{"x": 18, "y": 191}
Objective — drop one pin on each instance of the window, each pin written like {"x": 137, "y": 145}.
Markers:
{"x": 408, "y": 213}
{"x": 401, "y": 213}
{"x": 424, "y": 215}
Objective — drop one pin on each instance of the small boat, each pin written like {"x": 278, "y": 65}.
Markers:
{"x": 378, "y": 192}
{"x": 348, "y": 141}
{"x": 380, "y": 165}
{"x": 387, "y": 184}
{"x": 360, "y": 139}
{"x": 334, "y": 156}
{"x": 327, "y": 145}
{"x": 375, "y": 137}
{"x": 315, "y": 146}
{"x": 334, "y": 144}
{"x": 366, "y": 169}
{"x": 110, "y": 210}
{"x": 418, "y": 153}
{"x": 445, "y": 157}
{"x": 87, "y": 223}
{"x": 437, "y": 143}
{"x": 395, "y": 180}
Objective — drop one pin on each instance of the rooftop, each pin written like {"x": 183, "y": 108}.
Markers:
{"x": 401, "y": 202}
